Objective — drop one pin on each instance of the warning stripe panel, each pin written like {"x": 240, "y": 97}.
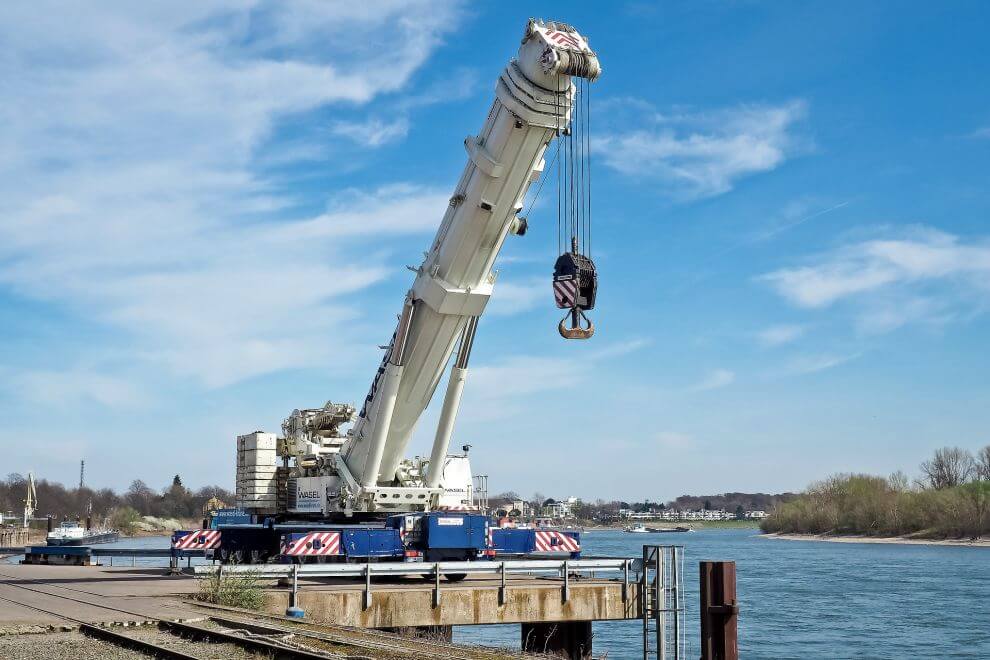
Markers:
{"x": 556, "y": 542}
{"x": 314, "y": 544}
{"x": 204, "y": 539}
{"x": 565, "y": 292}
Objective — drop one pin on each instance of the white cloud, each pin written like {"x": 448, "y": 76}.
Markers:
{"x": 516, "y": 297}
{"x": 68, "y": 388}
{"x": 713, "y": 381}
{"x": 220, "y": 302}
{"x": 372, "y": 132}
{"x": 673, "y": 441}
{"x": 778, "y": 335}
{"x": 882, "y": 273}
{"x": 456, "y": 86}
{"x": 619, "y": 349}
{"x": 704, "y": 154}
{"x": 982, "y": 133}
{"x": 809, "y": 364}
{"x": 132, "y": 190}
{"x": 501, "y": 389}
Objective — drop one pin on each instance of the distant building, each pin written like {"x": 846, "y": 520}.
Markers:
{"x": 559, "y": 510}
{"x": 700, "y": 514}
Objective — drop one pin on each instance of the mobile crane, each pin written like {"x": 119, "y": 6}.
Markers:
{"x": 353, "y": 493}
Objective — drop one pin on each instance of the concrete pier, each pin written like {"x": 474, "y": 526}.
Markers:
{"x": 410, "y": 603}
{"x": 554, "y": 615}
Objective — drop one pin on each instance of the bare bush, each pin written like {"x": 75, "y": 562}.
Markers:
{"x": 983, "y": 464}
{"x": 950, "y": 467}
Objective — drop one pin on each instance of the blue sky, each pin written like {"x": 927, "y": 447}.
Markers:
{"x": 205, "y": 214}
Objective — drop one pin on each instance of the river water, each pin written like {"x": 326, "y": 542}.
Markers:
{"x": 812, "y": 599}
{"x": 800, "y": 599}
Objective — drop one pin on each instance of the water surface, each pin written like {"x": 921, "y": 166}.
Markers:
{"x": 812, "y": 599}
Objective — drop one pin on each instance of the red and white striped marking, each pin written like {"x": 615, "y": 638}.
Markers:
{"x": 204, "y": 539}
{"x": 556, "y": 542}
{"x": 565, "y": 292}
{"x": 564, "y": 39}
{"x": 328, "y": 542}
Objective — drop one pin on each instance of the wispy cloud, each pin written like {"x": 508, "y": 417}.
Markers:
{"x": 500, "y": 389}
{"x": 133, "y": 189}
{"x": 778, "y": 335}
{"x": 372, "y": 132}
{"x": 619, "y": 349}
{"x": 674, "y": 441}
{"x": 981, "y": 133}
{"x": 74, "y": 387}
{"x": 715, "y": 380}
{"x": 459, "y": 85}
{"x": 809, "y": 364}
{"x": 895, "y": 279}
{"x": 516, "y": 297}
{"x": 693, "y": 155}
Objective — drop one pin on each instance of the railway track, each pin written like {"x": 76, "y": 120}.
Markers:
{"x": 235, "y": 635}
{"x": 157, "y": 645}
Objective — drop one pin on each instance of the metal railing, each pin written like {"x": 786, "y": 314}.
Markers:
{"x": 563, "y": 569}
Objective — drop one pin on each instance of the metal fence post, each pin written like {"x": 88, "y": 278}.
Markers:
{"x": 501, "y": 589}
{"x": 367, "y": 585}
{"x": 625, "y": 582}
{"x": 295, "y": 585}
{"x": 567, "y": 583}
{"x": 436, "y": 584}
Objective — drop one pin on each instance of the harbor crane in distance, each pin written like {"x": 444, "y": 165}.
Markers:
{"x": 315, "y": 473}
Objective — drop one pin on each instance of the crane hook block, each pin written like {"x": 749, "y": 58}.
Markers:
{"x": 575, "y": 284}
{"x": 575, "y": 331}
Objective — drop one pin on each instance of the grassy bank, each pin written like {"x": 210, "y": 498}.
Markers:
{"x": 857, "y": 504}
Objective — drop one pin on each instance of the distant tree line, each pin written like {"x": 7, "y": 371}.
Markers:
{"x": 949, "y": 499}
{"x": 607, "y": 510}
{"x": 106, "y": 505}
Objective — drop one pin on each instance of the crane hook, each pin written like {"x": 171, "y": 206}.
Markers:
{"x": 576, "y": 331}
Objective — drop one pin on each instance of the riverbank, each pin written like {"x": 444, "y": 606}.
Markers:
{"x": 900, "y": 540}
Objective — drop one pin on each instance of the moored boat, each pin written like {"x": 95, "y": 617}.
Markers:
{"x": 71, "y": 532}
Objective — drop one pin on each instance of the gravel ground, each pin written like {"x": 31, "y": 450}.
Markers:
{"x": 61, "y": 646}
{"x": 199, "y": 649}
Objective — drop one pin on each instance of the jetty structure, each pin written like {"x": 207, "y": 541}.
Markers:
{"x": 554, "y": 602}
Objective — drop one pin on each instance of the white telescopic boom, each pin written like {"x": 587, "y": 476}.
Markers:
{"x": 534, "y": 98}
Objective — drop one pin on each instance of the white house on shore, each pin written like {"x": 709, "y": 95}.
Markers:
{"x": 700, "y": 514}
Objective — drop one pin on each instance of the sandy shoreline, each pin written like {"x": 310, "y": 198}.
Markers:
{"x": 900, "y": 540}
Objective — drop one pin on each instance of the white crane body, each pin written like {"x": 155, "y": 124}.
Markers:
{"x": 365, "y": 470}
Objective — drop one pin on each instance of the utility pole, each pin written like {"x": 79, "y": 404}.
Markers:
{"x": 82, "y": 474}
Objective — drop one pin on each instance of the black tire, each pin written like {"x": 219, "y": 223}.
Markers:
{"x": 455, "y": 577}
